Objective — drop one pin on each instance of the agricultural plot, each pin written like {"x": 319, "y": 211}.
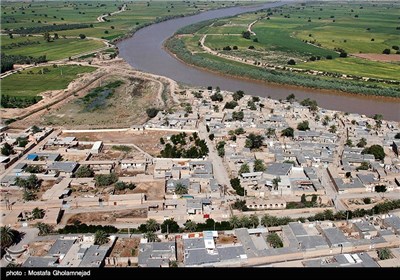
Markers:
{"x": 31, "y": 82}
{"x": 311, "y": 36}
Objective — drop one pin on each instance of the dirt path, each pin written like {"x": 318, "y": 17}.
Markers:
{"x": 250, "y": 26}
{"x": 102, "y": 17}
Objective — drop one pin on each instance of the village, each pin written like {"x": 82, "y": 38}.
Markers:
{"x": 225, "y": 179}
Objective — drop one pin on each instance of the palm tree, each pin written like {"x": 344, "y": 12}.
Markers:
{"x": 152, "y": 225}
{"x": 7, "y": 236}
{"x": 384, "y": 254}
{"x": 181, "y": 189}
{"x": 28, "y": 195}
{"x": 254, "y": 221}
{"x": 275, "y": 182}
{"x": 44, "y": 229}
{"x": 151, "y": 236}
{"x": 190, "y": 226}
{"x": 100, "y": 237}
{"x": 245, "y": 221}
{"x": 235, "y": 222}
{"x": 37, "y": 213}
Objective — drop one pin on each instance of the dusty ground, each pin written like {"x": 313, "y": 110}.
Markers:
{"x": 153, "y": 190}
{"x": 40, "y": 248}
{"x": 108, "y": 217}
{"x": 157, "y": 89}
{"x": 226, "y": 239}
{"x": 379, "y": 57}
{"x": 125, "y": 247}
{"x": 149, "y": 141}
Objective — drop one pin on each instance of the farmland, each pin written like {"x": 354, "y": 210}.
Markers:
{"x": 31, "y": 82}
{"x": 333, "y": 39}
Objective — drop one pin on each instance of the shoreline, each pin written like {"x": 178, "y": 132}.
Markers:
{"x": 283, "y": 86}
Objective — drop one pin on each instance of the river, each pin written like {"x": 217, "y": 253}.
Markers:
{"x": 144, "y": 51}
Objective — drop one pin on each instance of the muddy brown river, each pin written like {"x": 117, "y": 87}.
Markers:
{"x": 144, "y": 51}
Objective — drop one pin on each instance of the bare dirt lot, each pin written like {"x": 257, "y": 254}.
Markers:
{"x": 107, "y": 217}
{"x": 125, "y": 247}
{"x": 149, "y": 141}
{"x": 40, "y": 248}
{"x": 379, "y": 57}
{"x": 153, "y": 190}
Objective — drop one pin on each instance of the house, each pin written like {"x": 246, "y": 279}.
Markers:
{"x": 365, "y": 229}
{"x": 63, "y": 168}
{"x": 279, "y": 169}
{"x": 97, "y": 147}
{"x": 393, "y": 223}
{"x": 41, "y": 262}
{"x": 171, "y": 184}
{"x": 396, "y": 147}
{"x": 156, "y": 254}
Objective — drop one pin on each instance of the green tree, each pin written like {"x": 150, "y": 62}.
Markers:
{"x": 82, "y": 36}
{"x": 254, "y": 141}
{"x": 84, "y": 171}
{"x": 28, "y": 195}
{"x": 362, "y": 143}
{"x": 364, "y": 166}
{"x": 259, "y": 165}
{"x": 190, "y": 226}
{"x": 44, "y": 229}
{"x": 376, "y": 150}
{"x": 152, "y": 225}
{"x": 103, "y": 180}
{"x": 274, "y": 240}
{"x": 275, "y": 182}
{"x": 303, "y": 199}
{"x": 170, "y": 226}
{"x": 162, "y": 141}
{"x": 230, "y": 105}
{"x": 7, "y": 149}
{"x": 238, "y": 95}
{"x": 152, "y": 112}
{"x": 234, "y": 221}
{"x": 288, "y": 132}
{"x": 290, "y": 98}
{"x": 349, "y": 143}
{"x": 151, "y": 237}
{"x": 270, "y": 132}
{"x": 37, "y": 213}
{"x": 254, "y": 220}
{"x": 384, "y": 254}
{"x": 8, "y": 236}
{"x": 100, "y": 237}
{"x": 180, "y": 189}
{"x": 245, "y": 221}
{"x": 304, "y": 125}
{"x": 397, "y": 136}
{"x": 333, "y": 129}
{"x": 244, "y": 169}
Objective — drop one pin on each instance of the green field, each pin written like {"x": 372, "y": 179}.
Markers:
{"x": 31, "y": 82}
{"x": 309, "y": 33}
{"x": 54, "y": 50}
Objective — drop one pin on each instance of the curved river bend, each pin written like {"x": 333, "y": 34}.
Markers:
{"x": 144, "y": 51}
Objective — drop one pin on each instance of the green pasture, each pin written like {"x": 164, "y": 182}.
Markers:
{"x": 31, "y": 82}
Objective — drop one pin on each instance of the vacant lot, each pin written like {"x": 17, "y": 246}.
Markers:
{"x": 125, "y": 247}
{"x": 124, "y": 106}
{"x": 149, "y": 141}
{"x": 31, "y": 82}
{"x": 106, "y": 217}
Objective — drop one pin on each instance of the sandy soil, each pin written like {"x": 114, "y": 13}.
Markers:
{"x": 124, "y": 247}
{"x": 378, "y": 57}
{"x": 108, "y": 217}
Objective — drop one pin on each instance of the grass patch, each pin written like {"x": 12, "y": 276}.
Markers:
{"x": 96, "y": 99}
{"x": 31, "y": 82}
{"x": 122, "y": 148}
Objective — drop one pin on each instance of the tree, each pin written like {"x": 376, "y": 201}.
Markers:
{"x": 120, "y": 186}
{"x": 254, "y": 141}
{"x": 217, "y": 97}
{"x": 46, "y": 36}
{"x": 244, "y": 169}
{"x": 333, "y": 129}
{"x": 190, "y": 226}
{"x": 84, "y": 171}
{"x": 384, "y": 254}
{"x": 181, "y": 189}
{"x": 291, "y": 62}
{"x": 152, "y": 225}
{"x": 22, "y": 141}
{"x": 103, "y": 180}
{"x": 230, "y": 105}
{"x": 240, "y": 205}
{"x": 290, "y": 98}
{"x": 234, "y": 221}
{"x": 376, "y": 150}
{"x": 349, "y": 143}
{"x": 211, "y": 136}
{"x": 151, "y": 237}
{"x": 275, "y": 182}
{"x": 362, "y": 143}
{"x": 169, "y": 226}
{"x": 28, "y": 196}
{"x": 254, "y": 221}
{"x": 162, "y": 141}
{"x": 304, "y": 125}
{"x": 246, "y": 34}
{"x": 274, "y": 240}
{"x": 8, "y": 236}
{"x": 56, "y": 36}
{"x": 7, "y": 149}
{"x": 82, "y": 36}
{"x": 259, "y": 165}
{"x": 238, "y": 95}
{"x": 100, "y": 237}
{"x": 343, "y": 54}
{"x": 386, "y": 51}
{"x": 364, "y": 166}
{"x": 303, "y": 199}
{"x": 380, "y": 188}
{"x": 397, "y": 136}
{"x": 37, "y": 213}
{"x": 270, "y": 132}
{"x": 288, "y": 132}
{"x": 152, "y": 112}
{"x": 44, "y": 229}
